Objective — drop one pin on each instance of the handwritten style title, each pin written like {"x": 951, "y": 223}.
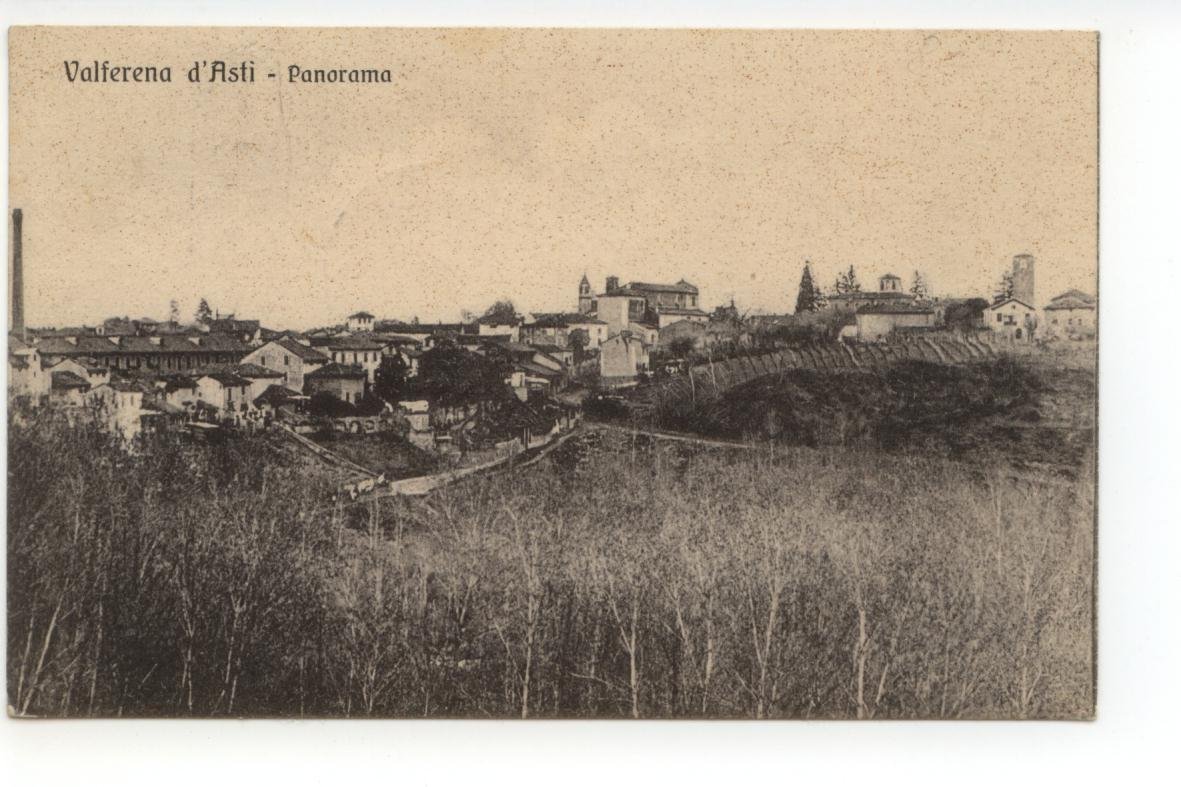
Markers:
{"x": 219, "y": 71}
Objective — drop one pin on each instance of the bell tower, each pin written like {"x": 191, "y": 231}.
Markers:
{"x": 585, "y": 295}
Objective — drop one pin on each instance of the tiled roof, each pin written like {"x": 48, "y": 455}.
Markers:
{"x": 276, "y": 396}
{"x": 680, "y": 311}
{"x": 1079, "y": 294}
{"x": 537, "y": 369}
{"x": 562, "y": 320}
{"x": 301, "y": 351}
{"x": 129, "y": 386}
{"x": 417, "y": 329}
{"x": 337, "y": 371}
{"x": 680, "y": 287}
{"x": 64, "y": 381}
{"x": 228, "y": 379}
{"x": 230, "y": 325}
{"x": 865, "y": 295}
{"x": 1064, "y": 302}
{"x": 1007, "y": 301}
{"x": 253, "y": 371}
{"x": 624, "y": 292}
{"x": 174, "y": 382}
{"x": 361, "y": 316}
{"x": 895, "y": 308}
{"x": 360, "y": 343}
{"x": 496, "y": 319}
{"x": 142, "y": 345}
{"x": 396, "y": 339}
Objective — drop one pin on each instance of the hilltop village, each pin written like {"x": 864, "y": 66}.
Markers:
{"x": 501, "y": 379}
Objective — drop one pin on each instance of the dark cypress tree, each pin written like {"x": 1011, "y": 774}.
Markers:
{"x": 808, "y": 298}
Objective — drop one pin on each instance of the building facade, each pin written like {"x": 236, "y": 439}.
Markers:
{"x": 622, "y": 358}
{"x": 1071, "y": 315}
{"x": 1012, "y": 320}
{"x": 360, "y": 321}
{"x": 345, "y": 382}
{"x": 288, "y": 356}
{"x": 876, "y": 321}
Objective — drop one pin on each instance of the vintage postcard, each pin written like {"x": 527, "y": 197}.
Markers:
{"x": 552, "y": 373}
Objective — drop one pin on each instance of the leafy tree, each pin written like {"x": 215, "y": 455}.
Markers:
{"x": 808, "y": 299}
{"x": 965, "y": 315}
{"x": 503, "y": 310}
{"x": 682, "y": 346}
{"x": 918, "y": 286}
{"x": 204, "y": 312}
{"x": 370, "y": 404}
{"x": 174, "y": 311}
{"x": 389, "y": 380}
{"x": 451, "y": 375}
{"x": 1004, "y": 288}
{"x": 578, "y": 340}
{"x": 847, "y": 282}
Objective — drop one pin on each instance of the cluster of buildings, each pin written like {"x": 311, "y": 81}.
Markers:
{"x": 1072, "y": 315}
{"x": 234, "y": 372}
{"x": 1012, "y": 316}
{"x": 225, "y": 370}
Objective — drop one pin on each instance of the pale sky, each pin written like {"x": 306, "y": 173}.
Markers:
{"x": 507, "y": 163}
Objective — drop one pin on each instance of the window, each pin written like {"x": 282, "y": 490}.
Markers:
{"x": 286, "y": 360}
{"x": 262, "y": 360}
{"x": 999, "y": 318}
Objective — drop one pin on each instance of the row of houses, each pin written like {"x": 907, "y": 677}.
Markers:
{"x": 238, "y": 377}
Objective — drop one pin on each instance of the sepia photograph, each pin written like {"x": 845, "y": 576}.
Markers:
{"x": 552, "y": 373}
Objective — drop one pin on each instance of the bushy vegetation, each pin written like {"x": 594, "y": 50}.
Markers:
{"x": 616, "y": 578}
{"x": 988, "y": 410}
{"x": 387, "y": 453}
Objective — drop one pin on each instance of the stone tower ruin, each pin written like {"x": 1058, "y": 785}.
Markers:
{"x": 1023, "y": 279}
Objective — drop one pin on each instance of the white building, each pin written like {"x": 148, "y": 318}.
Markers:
{"x": 357, "y": 351}
{"x": 26, "y": 377}
{"x": 621, "y": 359}
{"x": 288, "y": 356}
{"x": 878, "y": 320}
{"x": 1071, "y": 315}
{"x": 120, "y": 407}
{"x": 1012, "y": 319}
{"x": 360, "y": 322}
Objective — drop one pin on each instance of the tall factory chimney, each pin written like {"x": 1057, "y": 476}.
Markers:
{"x": 18, "y": 279}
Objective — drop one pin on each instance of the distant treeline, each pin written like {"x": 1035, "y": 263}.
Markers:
{"x": 615, "y": 579}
